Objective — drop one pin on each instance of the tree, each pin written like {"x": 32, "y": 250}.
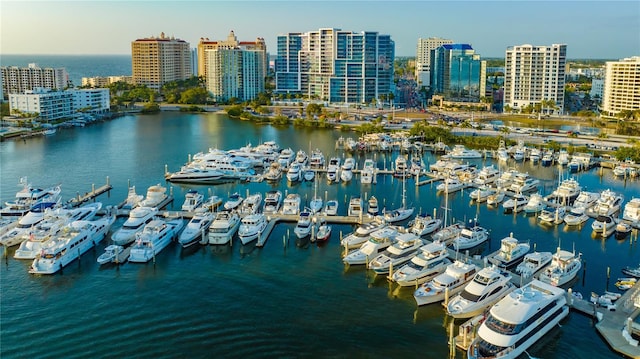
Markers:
{"x": 313, "y": 109}
{"x": 197, "y": 95}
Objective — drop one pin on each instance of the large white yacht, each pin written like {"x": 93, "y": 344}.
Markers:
{"x": 518, "y": 321}
{"x": 138, "y": 218}
{"x": 450, "y": 185}
{"x": 355, "y": 207}
{"x": 274, "y": 173}
{"x": 515, "y": 204}
{"x": 223, "y": 227}
{"x": 346, "y": 170}
{"x": 155, "y": 237}
{"x": 72, "y": 241}
{"x": 303, "y": 226}
{"x": 333, "y": 169}
{"x": 317, "y": 159}
{"x": 399, "y": 253}
{"x": 251, "y": 204}
{"x": 362, "y": 234}
{"x": 551, "y": 215}
{"x": 376, "y": 243}
{"x": 294, "y": 173}
{"x": 511, "y": 252}
{"x": 481, "y": 194}
{"x": 368, "y": 171}
{"x": 533, "y": 262}
{"x": 564, "y": 267}
{"x": 460, "y": 152}
{"x": 233, "y": 202}
{"x": 286, "y": 157}
{"x": 470, "y": 237}
{"x": 535, "y": 205}
{"x": 192, "y": 200}
{"x": 451, "y": 282}
{"x": 487, "y": 175}
{"x": 524, "y": 183}
{"x": 608, "y": 204}
{"x": 631, "y": 212}
{"x": 17, "y": 234}
{"x": 566, "y": 193}
{"x": 196, "y": 228}
{"x": 195, "y": 174}
{"x": 28, "y": 197}
{"x": 424, "y": 225}
{"x": 272, "y": 202}
{"x": 156, "y": 196}
{"x": 430, "y": 261}
{"x": 251, "y": 227}
{"x": 487, "y": 287}
{"x": 291, "y": 204}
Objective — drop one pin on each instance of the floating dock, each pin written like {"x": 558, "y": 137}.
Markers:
{"x": 95, "y": 192}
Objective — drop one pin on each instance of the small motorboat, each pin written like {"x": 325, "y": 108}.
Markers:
{"x": 324, "y": 231}
{"x": 631, "y": 271}
{"x": 626, "y": 283}
{"x": 622, "y": 230}
{"x": 114, "y": 254}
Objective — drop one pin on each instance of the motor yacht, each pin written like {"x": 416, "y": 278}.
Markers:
{"x": 551, "y": 215}
{"x": 506, "y": 179}
{"x": 603, "y": 226}
{"x": 523, "y": 183}
{"x": 331, "y": 208}
{"x": 400, "y": 167}
{"x": 72, "y": 241}
{"x": 195, "y": 174}
{"x": 460, "y": 152}
{"x": 192, "y": 200}
{"x": 233, "y": 202}
{"x": 286, "y": 157}
{"x": 631, "y": 212}
{"x": 155, "y": 237}
{"x": 470, "y": 237}
{"x": 424, "y": 225}
{"x": 448, "y": 233}
{"x": 346, "y": 170}
{"x": 274, "y": 173}
{"x": 251, "y": 204}
{"x": 575, "y": 217}
{"x": 317, "y": 159}
{"x": 133, "y": 199}
{"x": 368, "y": 171}
{"x": 416, "y": 166}
{"x": 362, "y": 234}
{"x": 566, "y": 193}
{"x": 355, "y": 207}
{"x": 251, "y": 227}
{"x": 586, "y": 200}
{"x": 495, "y": 199}
{"x": 294, "y": 174}
{"x": 302, "y": 158}
{"x": 511, "y": 252}
{"x": 518, "y": 154}
{"x": 533, "y": 263}
{"x": 488, "y": 286}
{"x": 333, "y": 169}
{"x": 223, "y": 227}
{"x": 303, "y": 227}
{"x": 547, "y": 159}
{"x": 487, "y": 175}
{"x": 373, "y": 208}
{"x": 114, "y": 254}
{"x": 563, "y": 158}
{"x": 608, "y": 204}
{"x": 430, "y": 261}
{"x": 518, "y": 321}
{"x": 534, "y": 155}
{"x": 291, "y": 204}
{"x": 375, "y": 244}
{"x": 515, "y": 204}
{"x": 28, "y": 197}
{"x": 196, "y": 229}
{"x": 138, "y": 218}
{"x": 624, "y": 169}
{"x": 19, "y": 232}
{"x": 623, "y": 229}
{"x": 564, "y": 267}
{"x": 156, "y": 196}
{"x": 535, "y": 205}
{"x": 400, "y": 252}
{"x": 481, "y": 194}
{"x": 451, "y": 282}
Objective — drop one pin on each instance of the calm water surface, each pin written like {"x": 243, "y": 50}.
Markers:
{"x": 288, "y": 299}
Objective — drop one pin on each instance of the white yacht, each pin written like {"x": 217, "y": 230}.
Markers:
{"x": 518, "y": 321}
{"x": 272, "y": 202}
{"x": 223, "y": 227}
{"x": 608, "y": 204}
{"x": 586, "y": 200}
{"x": 511, "y": 252}
{"x": 470, "y": 237}
{"x": 234, "y": 201}
{"x": 376, "y": 243}
{"x": 416, "y": 166}
{"x": 481, "y": 194}
{"x": 17, "y": 234}
{"x": 114, "y": 254}
{"x": 133, "y": 199}
{"x": 533, "y": 263}
{"x": 333, "y": 168}
{"x": 72, "y": 241}
{"x": 156, "y": 196}
{"x": 138, "y": 218}
{"x": 28, "y": 197}
{"x": 251, "y": 227}
{"x": 566, "y": 193}
{"x": 451, "y": 282}
{"x": 495, "y": 199}
{"x": 448, "y": 233}
{"x": 551, "y": 215}
{"x": 624, "y": 169}
{"x": 631, "y": 212}
{"x": 251, "y": 204}
{"x": 274, "y": 173}
{"x": 346, "y": 171}
{"x": 524, "y": 183}
{"x": 563, "y": 158}
{"x": 362, "y": 234}
{"x": 317, "y": 159}
{"x": 603, "y": 226}
{"x": 286, "y": 157}
{"x": 195, "y": 174}
{"x": 564, "y": 267}
{"x": 430, "y": 261}
{"x": 368, "y": 171}
{"x": 303, "y": 226}
{"x": 399, "y": 253}
{"x": 535, "y": 205}
{"x": 294, "y": 174}
{"x": 192, "y": 200}
{"x": 487, "y": 175}
{"x": 196, "y": 228}
{"x": 515, "y": 204}
{"x": 331, "y": 208}
{"x": 506, "y": 179}
{"x": 291, "y": 204}
{"x": 487, "y": 287}
{"x": 400, "y": 166}
{"x": 575, "y": 217}
{"x": 460, "y": 152}
{"x": 373, "y": 209}
{"x": 302, "y": 158}
{"x": 534, "y": 155}
{"x": 424, "y": 225}
{"x": 355, "y": 207}
{"x": 450, "y": 185}
{"x": 155, "y": 237}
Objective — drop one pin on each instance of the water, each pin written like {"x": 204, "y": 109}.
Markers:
{"x": 288, "y": 299}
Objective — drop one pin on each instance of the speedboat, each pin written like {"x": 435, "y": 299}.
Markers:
{"x": 233, "y": 202}
{"x": 373, "y": 208}
{"x": 518, "y": 321}
{"x": 470, "y": 237}
{"x": 608, "y": 204}
{"x": 481, "y": 193}
{"x": 251, "y": 204}
{"x": 138, "y": 218}
{"x": 196, "y": 228}
{"x": 324, "y": 231}
{"x": 632, "y": 271}
{"x": 114, "y": 253}
{"x": 397, "y": 254}
{"x": 156, "y": 196}
{"x": 303, "y": 227}
{"x": 551, "y": 215}
{"x": 424, "y": 225}
{"x": 331, "y": 208}
{"x": 72, "y": 241}
{"x": 625, "y": 283}
{"x": 251, "y": 227}
{"x": 308, "y": 174}
{"x": 451, "y": 282}
{"x": 291, "y": 204}
{"x": 450, "y": 185}
{"x": 533, "y": 263}
{"x": 155, "y": 237}
{"x": 355, "y": 207}
{"x": 430, "y": 261}
{"x": 536, "y": 204}
{"x": 564, "y": 267}
{"x": 223, "y": 227}
{"x": 374, "y": 244}
{"x": 603, "y": 226}
{"x": 515, "y": 204}
{"x": 398, "y": 215}
{"x": 272, "y": 202}
{"x": 511, "y": 252}
{"x": 487, "y": 287}
{"x": 362, "y": 234}
{"x": 192, "y": 200}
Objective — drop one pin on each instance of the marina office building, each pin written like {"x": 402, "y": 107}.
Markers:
{"x": 335, "y": 65}
{"x": 621, "y": 90}
{"x": 158, "y": 60}
{"x": 533, "y": 74}
{"x": 54, "y": 105}
{"x": 17, "y": 80}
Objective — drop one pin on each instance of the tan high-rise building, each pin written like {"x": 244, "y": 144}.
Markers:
{"x": 158, "y": 60}
{"x": 621, "y": 86}
{"x": 423, "y": 58}
{"x": 17, "y": 80}
{"x": 230, "y": 43}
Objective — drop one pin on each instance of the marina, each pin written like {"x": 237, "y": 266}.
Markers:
{"x": 273, "y": 256}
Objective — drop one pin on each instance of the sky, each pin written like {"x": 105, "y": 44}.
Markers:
{"x": 591, "y": 29}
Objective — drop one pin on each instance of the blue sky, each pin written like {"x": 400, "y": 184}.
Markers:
{"x": 591, "y": 29}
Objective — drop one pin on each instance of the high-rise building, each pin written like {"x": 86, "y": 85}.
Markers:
{"x": 335, "y": 65}
{"x": 230, "y": 43}
{"x": 534, "y": 74}
{"x": 158, "y": 60}
{"x": 457, "y": 73}
{"x": 17, "y": 80}
{"x": 235, "y": 69}
{"x": 621, "y": 86}
{"x": 423, "y": 58}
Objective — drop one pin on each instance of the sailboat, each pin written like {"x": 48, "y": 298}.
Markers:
{"x": 450, "y": 232}
{"x": 401, "y": 213}
{"x": 316, "y": 202}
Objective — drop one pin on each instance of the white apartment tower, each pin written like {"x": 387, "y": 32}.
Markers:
{"x": 621, "y": 86}
{"x": 423, "y": 58}
{"x": 534, "y": 74}
{"x": 158, "y": 60}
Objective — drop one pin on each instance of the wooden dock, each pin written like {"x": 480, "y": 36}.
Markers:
{"x": 95, "y": 192}
{"x": 614, "y": 324}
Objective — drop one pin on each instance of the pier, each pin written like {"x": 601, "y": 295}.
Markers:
{"x": 616, "y": 326}
{"x": 95, "y": 192}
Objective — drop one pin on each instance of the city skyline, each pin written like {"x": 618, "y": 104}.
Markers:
{"x": 591, "y": 29}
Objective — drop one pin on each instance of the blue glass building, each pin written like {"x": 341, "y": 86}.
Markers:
{"x": 457, "y": 73}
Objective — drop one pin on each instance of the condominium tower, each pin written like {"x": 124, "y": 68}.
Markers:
{"x": 230, "y": 43}
{"x": 423, "y": 58}
{"x": 158, "y": 60}
{"x": 235, "y": 69}
{"x": 17, "y": 80}
{"x": 534, "y": 74}
{"x": 335, "y": 65}
{"x": 621, "y": 86}
{"x": 458, "y": 73}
